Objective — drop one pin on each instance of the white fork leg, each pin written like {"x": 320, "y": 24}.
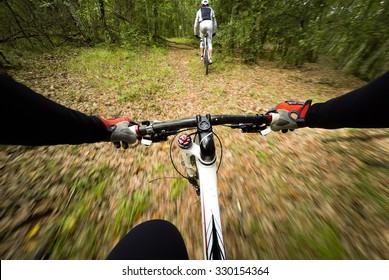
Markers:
{"x": 212, "y": 231}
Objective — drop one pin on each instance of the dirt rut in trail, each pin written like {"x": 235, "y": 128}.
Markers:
{"x": 308, "y": 194}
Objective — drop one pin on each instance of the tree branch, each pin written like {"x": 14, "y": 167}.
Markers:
{"x": 4, "y": 58}
{"x": 16, "y": 19}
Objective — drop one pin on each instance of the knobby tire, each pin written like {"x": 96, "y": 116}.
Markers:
{"x": 206, "y": 58}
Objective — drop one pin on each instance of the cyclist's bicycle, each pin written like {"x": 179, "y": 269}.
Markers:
{"x": 205, "y": 53}
{"x": 199, "y": 159}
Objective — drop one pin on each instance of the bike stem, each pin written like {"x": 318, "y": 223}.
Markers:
{"x": 206, "y": 140}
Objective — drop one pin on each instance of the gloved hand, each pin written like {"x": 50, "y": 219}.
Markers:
{"x": 120, "y": 131}
{"x": 289, "y": 115}
{"x": 197, "y": 36}
{"x": 214, "y": 34}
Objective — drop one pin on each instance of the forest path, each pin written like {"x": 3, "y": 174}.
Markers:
{"x": 306, "y": 194}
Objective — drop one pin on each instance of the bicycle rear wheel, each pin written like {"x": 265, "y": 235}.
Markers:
{"x": 206, "y": 58}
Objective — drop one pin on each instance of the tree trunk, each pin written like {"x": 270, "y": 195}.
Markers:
{"x": 103, "y": 21}
{"x": 77, "y": 20}
{"x": 156, "y": 25}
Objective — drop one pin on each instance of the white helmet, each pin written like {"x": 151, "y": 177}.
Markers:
{"x": 204, "y": 2}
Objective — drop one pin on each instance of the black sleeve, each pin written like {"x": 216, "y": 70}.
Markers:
{"x": 366, "y": 107}
{"x": 28, "y": 118}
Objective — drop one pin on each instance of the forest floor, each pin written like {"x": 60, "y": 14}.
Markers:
{"x": 308, "y": 194}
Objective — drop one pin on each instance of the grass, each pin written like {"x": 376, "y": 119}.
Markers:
{"x": 131, "y": 74}
{"x": 263, "y": 157}
{"x": 184, "y": 41}
{"x": 369, "y": 191}
{"x": 129, "y": 209}
{"x": 85, "y": 193}
{"x": 176, "y": 187}
{"x": 320, "y": 241}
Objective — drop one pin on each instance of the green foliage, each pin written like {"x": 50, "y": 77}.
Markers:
{"x": 129, "y": 209}
{"x": 176, "y": 187}
{"x": 96, "y": 180}
{"x": 352, "y": 32}
{"x": 321, "y": 241}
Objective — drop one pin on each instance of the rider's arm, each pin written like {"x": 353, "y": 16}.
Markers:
{"x": 214, "y": 21}
{"x": 196, "y": 23}
{"x": 29, "y": 118}
{"x": 360, "y": 108}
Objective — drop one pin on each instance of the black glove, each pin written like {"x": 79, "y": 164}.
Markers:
{"x": 120, "y": 133}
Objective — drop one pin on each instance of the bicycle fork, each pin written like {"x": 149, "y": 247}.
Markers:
{"x": 189, "y": 152}
{"x": 202, "y": 174}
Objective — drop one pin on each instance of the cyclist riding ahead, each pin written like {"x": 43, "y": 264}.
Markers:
{"x": 206, "y": 23}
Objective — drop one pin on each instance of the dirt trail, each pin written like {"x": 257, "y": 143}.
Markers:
{"x": 307, "y": 194}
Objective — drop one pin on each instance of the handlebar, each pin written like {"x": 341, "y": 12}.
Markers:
{"x": 159, "y": 131}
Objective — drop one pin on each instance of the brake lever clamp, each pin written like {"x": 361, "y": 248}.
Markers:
{"x": 146, "y": 142}
{"x": 157, "y": 137}
{"x": 252, "y": 128}
{"x": 265, "y": 131}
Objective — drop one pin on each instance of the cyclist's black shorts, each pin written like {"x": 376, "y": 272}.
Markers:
{"x": 151, "y": 240}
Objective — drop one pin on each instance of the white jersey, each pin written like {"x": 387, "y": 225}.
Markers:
{"x": 203, "y": 14}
